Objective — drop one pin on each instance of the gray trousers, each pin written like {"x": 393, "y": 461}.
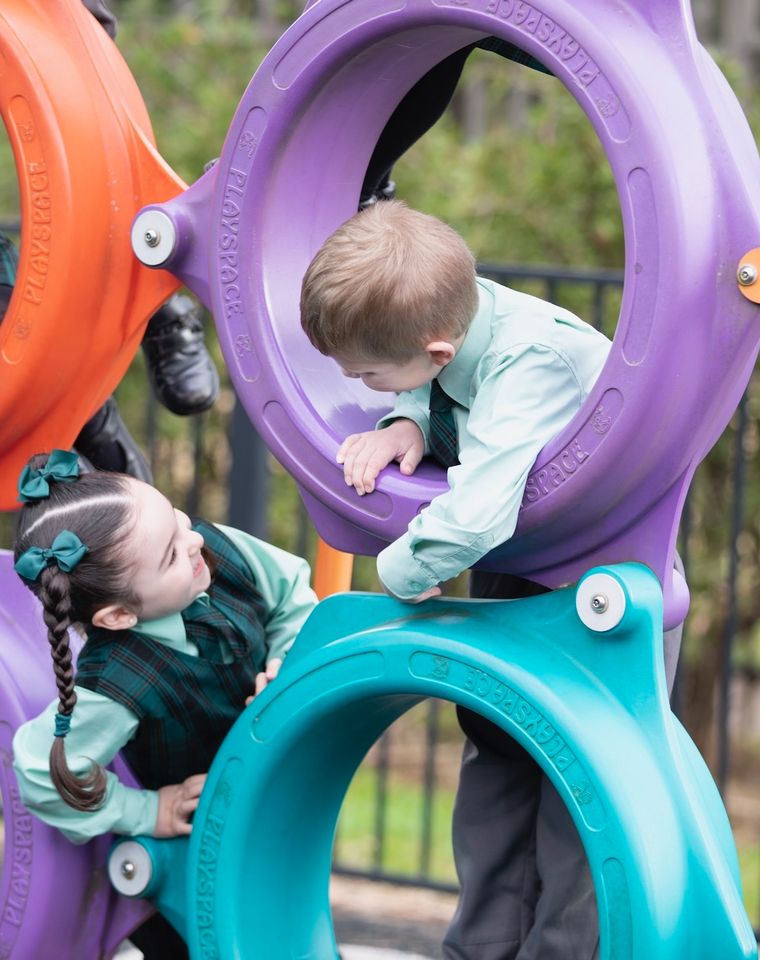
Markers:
{"x": 526, "y": 888}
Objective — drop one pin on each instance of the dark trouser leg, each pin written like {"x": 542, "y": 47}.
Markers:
{"x": 566, "y": 924}
{"x": 103, "y": 15}
{"x": 494, "y": 831}
{"x": 158, "y": 940}
{"x": 414, "y": 115}
{"x": 422, "y": 106}
{"x": 556, "y": 919}
{"x": 526, "y": 885}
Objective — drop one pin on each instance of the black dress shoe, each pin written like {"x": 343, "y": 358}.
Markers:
{"x": 385, "y": 190}
{"x": 180, "y": 369}
{"x": 105, "y": 442}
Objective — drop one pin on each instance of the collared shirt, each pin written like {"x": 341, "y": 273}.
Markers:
{"x": 100, "y": 727}
{"x": 523, "y": 371}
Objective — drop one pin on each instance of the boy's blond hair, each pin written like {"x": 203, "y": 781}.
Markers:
{"x": 389, "y": 281}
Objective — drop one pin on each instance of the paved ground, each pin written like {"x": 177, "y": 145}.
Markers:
{"x": 375, "y": 921}
{"x": 408, "y": 920}
{"x": 347, "y": 952}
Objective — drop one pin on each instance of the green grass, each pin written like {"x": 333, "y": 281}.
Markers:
{"x": 749, "y": 862}
{"x": 355, "y": 846}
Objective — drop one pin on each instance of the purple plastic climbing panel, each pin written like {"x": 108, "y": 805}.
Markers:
{"x": 43, "y": 873}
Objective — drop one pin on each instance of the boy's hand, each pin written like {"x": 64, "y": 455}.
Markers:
{"x": 425, "y": 595}
{"x": 263, "y": 678}
{"x": 364, "y": 455}
{"x": 176, "y": 805}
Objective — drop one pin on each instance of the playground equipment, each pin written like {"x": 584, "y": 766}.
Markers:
{"x": 608, "y": 489}
{"x": 41, "y": 869}
{"x": 611, "y": 486}
{"x": 656, "y": 834}
{"x": 85, "y": 158}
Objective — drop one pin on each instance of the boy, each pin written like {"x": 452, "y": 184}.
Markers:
{"x": 485, "y": 377}
{"x": 394, "y": 298}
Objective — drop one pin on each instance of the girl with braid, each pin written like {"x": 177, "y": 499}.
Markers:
{"x": 184, "y": 623}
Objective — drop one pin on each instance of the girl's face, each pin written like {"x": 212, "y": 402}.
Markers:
{"x": 168, "y": 571}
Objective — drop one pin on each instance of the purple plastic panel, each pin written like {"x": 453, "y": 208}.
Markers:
{"x": 611, "y": 486}
{"x": 55, "y": 898}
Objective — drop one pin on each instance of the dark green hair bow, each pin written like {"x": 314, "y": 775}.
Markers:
{"x": 67, "y": 551}
{"x": 62, "y": 465}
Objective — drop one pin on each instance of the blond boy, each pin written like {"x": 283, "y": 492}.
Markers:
{"x": 394, "y": 298}
{"x": 485, "y": 377}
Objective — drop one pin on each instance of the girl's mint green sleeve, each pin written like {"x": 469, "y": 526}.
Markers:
{"x": 99, "y": 729}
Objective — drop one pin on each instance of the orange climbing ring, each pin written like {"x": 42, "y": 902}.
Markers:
{"x": 86, "y": 163}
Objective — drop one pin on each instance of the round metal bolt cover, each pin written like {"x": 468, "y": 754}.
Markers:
{"x": 746, "y": 274}
{"x": 600, "y": 602}
{"x": 154, "y": 237}
{"x": 130, "y": 868}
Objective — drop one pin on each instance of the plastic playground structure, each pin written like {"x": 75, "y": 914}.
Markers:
{"x": 601, "y": 508}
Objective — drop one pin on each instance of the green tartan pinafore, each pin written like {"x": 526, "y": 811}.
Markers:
{"x": 185, "y": 704}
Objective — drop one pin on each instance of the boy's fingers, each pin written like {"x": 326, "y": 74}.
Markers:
{"x": 428, "y": 594}
{"x": 353, "y": 443}
{"x": 348, "y": 469}
{"x": 410, "y": 461}
{"x": 346, "y": 446}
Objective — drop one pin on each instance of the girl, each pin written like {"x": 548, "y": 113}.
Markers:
{"x": 183, "y": 625}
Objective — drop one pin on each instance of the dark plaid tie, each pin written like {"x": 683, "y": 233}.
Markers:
{"x": 206, "y": 626}
{"x": 443, "y": 429}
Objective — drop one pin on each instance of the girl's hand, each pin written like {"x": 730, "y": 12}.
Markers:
{"x": 364, "y": 455}
{"x": 176, "y": 805}
{"x": 265, "y": 677}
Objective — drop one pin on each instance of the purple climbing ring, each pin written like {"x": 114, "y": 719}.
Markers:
{"x": 611, "y": 486}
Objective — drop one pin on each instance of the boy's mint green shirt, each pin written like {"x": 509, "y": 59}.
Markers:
{"x": 100, "y": 727}
{"x": 523, "y": 371}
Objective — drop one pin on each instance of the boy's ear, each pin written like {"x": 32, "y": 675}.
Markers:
{"x": 114, "y": 617}
{"x": 441, "y": 352}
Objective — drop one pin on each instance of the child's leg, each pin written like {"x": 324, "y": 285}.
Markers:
{"x": 557, "y": 919}
{"x": 158, "y": 940}
{"x": 566, "y": 921}
{"x": 416, "y": 113}
{"x": 566, "y": 924}
{"x": 511, "y": 882}
{"x": 494, "y": 836}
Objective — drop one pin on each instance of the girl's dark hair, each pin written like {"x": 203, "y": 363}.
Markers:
{"x": 98, "y": 508}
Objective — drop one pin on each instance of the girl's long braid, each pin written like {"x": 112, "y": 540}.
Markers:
{"x": 86, "y": 792}
{"x": 98, "y": 509}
